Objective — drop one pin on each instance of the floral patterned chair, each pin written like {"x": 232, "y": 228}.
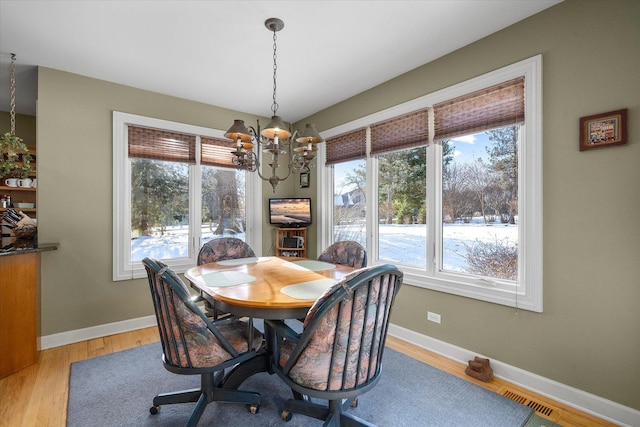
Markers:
{"x": 346, "y": 252}
{"x": 338, "y": 355}
{"x": 194, "y": 345}
{"x": 221, "y": 249}
{"x": 224, "y": 248}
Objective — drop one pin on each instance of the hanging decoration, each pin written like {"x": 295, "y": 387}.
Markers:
{"x": 15, "y": 160}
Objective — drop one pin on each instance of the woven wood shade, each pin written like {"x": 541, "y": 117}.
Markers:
{"x": 407, "y": 131}
{"x": 156, "y": 144}
{"x": 216, "y": 152}
{"x": 348, "y": 146}
{"x": 494, "y": 107}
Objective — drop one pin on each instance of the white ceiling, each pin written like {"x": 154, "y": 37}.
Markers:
{"x": 220, "y": 53}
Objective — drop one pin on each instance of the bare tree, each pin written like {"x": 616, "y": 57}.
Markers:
{"x": 480, "y": 180}
{"x": 503, "y": 160}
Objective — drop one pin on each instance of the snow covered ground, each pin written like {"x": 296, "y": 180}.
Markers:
{"x": 398, "y": 243}
{"x": 407, "y": 243}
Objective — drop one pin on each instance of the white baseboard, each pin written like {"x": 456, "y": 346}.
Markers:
{"x": 570, "y": 396}
{"x": 586, "y": 402}
{"x": 70, "y": 337}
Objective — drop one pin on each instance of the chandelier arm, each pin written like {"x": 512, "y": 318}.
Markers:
{"x": 255, "y": 133}
{"x": 289, "y": 169}
{"x": 252, "y": 130}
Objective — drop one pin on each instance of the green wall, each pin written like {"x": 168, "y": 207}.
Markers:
{"x": 588, "y": 336}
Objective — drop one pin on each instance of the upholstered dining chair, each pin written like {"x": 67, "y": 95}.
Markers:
{"x": 194, "y": 345}
{"x": 221, "y": 249}
{"x": 346, "y": 252}
{"x": 224, "y": 248}
{"x": 338, "y": 355}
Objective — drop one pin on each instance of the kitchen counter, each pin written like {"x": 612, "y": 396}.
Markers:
{"x": 12, "y": 246}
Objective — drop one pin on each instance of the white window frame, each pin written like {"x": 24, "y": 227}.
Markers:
{"x": 528, "y": 293}
{"x": 123, "y": 267}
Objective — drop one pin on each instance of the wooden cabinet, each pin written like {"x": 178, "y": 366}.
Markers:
{"x": 19, "y": 287}
{"x": 291, "y": 242}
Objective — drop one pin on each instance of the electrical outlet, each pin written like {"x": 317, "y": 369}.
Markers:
{"x": 433, "y": 317}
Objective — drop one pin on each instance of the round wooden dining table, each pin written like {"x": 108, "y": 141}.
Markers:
{"x": 265, "y": 287}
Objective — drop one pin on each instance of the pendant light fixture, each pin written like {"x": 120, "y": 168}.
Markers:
{"x": 275, "y": 136}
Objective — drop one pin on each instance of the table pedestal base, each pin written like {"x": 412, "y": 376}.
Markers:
{"x": 240, "y": 373}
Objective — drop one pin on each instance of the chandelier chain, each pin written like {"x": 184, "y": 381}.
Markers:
{"x": 274, "y": 106}
{"x": 12, "y": 92}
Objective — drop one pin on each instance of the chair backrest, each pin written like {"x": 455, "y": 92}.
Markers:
{"x": 224, "y": 248}
{"x": 345, "y": 331}
{"x": 346, "y": 252}
{"x": 189, "y": 339}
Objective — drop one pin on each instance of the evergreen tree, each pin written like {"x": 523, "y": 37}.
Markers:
{"x": 159, "y": 195}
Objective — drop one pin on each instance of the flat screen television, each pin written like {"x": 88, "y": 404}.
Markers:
{"x": 290, "y": 212}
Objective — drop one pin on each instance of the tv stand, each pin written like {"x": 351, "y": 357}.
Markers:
{"x": 291, "y": 242}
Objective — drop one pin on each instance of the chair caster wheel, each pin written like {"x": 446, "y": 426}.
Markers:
{"x": 254, "y": 409}
{"x": 286, "y": 416}
{"x": 354, "y": 404}
{"x": 154, "y": 410}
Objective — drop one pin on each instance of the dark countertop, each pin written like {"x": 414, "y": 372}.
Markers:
{"x": 13, "y": 246}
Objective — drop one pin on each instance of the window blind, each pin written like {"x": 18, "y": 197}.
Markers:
{"x": 216, "y": 152}
{"x": 156, "y": 144}
{"x": 348, "y": 146}
{"x": 496, "y": 106}
{"x": 407, "y": 131}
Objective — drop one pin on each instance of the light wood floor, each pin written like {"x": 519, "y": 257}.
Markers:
{"x": 37, "y": 395}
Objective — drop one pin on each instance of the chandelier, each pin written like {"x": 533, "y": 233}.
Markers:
{"x": 275, "y": 137}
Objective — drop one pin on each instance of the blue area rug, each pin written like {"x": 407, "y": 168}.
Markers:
{"x": 118, "y": 389}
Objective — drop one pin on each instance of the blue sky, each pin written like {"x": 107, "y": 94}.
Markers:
{"x": 470, "y": 147}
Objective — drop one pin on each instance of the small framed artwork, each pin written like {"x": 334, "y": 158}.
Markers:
{"x": 304, "y": 179}
{"x": 603, "y": 130}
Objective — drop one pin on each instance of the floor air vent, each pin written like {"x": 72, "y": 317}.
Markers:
{"x": 540, "y": 408}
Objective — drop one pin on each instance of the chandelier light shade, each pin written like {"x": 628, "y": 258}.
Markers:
{"x": 276, "y": 138}
{"x": 276, "y": 129}
{"x": 238, "y": 132}
{"x": 310, "y": 135}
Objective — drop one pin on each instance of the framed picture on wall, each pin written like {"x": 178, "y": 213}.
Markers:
{"x": 603, "y": 130}
{"x": 304, "y": 179}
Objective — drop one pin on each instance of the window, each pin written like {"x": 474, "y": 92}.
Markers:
{"x": 175, "y": 188}
{"x": 350, "y": 202}
{"x": 347, "y": 153}
{"x": 453, "y": 188}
